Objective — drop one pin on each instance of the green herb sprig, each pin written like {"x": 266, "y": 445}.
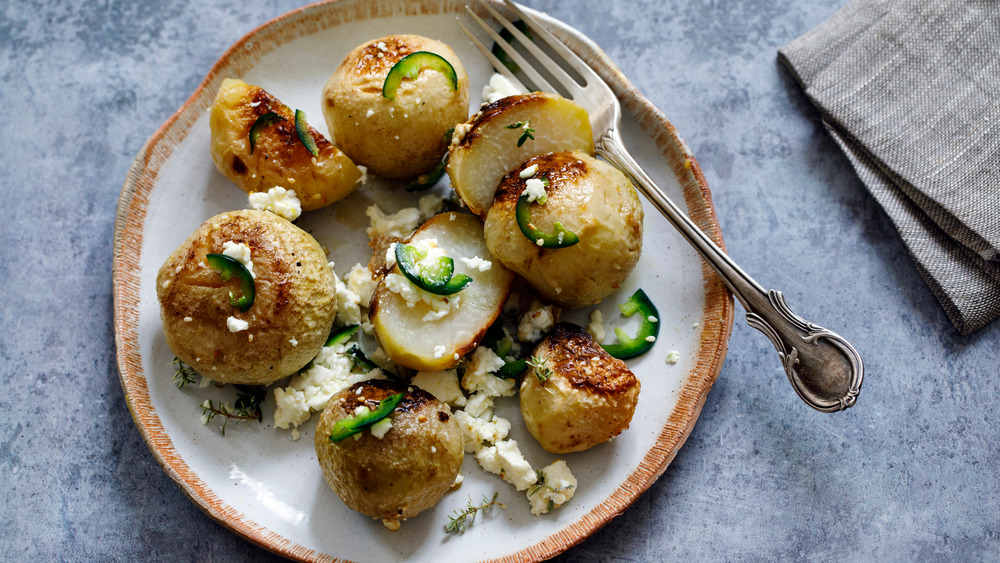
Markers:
{"x": 527, "y": 134}
{"x": 247, "y": 407}
{"x": 185, "y": 374}
{"x": 541, "y": 366}
{"x": 462, "y": 519}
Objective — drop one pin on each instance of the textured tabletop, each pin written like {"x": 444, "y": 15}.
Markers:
{"x": 910, "y": 473}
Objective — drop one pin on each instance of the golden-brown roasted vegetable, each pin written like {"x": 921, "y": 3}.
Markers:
{"x": 293, "y": 309}
{"x": 402, "y": 136}
{"x": 430, "y": 332}
{"x": 279, "y": 157}
{"x": 406, "y": 470}
{"x": 575, "y": 395}
{"x": 506, "y": 133}
{"x": 589, "y": 198}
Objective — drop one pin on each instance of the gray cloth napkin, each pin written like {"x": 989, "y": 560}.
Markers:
{"x": 910, "y": 90}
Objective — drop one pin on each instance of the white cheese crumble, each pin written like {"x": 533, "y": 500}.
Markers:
{"x": 475, "y": 430}
{"x": 360, "y": 282}
{"x": 536, "y": 321}
{"x": 363, "y": 179}
{"x": 380, "y": 428}
{"x": 439, "y": 351}
{"x": 596, "y": 326}
{"x": 442, "y": 384}
{"x": 529, "y": 171}
{"x": 461, "y": 130}
{"x": 534, "y": 188}
{"x": 430, "y": 205}
{"x": 515, "y": 469}
{"x": 440, "y": 305}
{"x": 398, "y": 225}
{"x": 348, "y": 302}
{"x": 479, "y": 404}
{"x": 236, "y": 325}
{"x": 279, "y": 201}
{"x": 477, "y": 263}
{"x": 673, "y": 357}
{"x": 310, "y": 390}
{"x": 241, "y": 253}
{"x": 479, "y": 376}
{"x": 497, "y": 88}
{"x": 557, "y": 486}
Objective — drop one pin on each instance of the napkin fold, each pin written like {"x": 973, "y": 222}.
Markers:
{"x": 910, "y": 90}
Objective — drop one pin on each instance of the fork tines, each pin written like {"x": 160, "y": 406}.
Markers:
{"x": 555, "y": 71}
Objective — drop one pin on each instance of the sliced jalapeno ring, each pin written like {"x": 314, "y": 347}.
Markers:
{"x": 438, "y": 278}
{"x": 432, "y": 176}
{"x": 302, "y": 130}
{"x": 351, "y": 425}
{"x": 628, "y": 347}
{"x": 410, "y": 67}
{"x": 558, "y": 238}
{"x": 227, "y": 267}
{"x": 341, "y": 335}
{"x": 262, "y": 122}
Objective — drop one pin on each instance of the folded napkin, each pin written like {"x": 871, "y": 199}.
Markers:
{"x": 910, "y": 90}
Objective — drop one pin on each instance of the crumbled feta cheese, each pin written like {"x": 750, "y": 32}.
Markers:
{"x": 279, "y": 201}
{"x": 430, "y": 205}
{"x": 497, "y": 88}
{"x": 480, "y": 405}
{"x": 557, "y": 486}
{"x": 310, "y": 390}
{"x": 348, "y": 302}
{"x": 293, "y": 341}
{"x": 529, "y": 171}
{"x": 239, "y": 252}
{"x": 380, "y": 428}
{"x": 488, "y": 459}
{"x": 534, "y": 188}
{"x": 516, "y": 469}
{"x": 461, "y": 130}
{"x": 236, "y": 325}
{"x": 596, "y": 326}
{"x": 361, "y": 283}
{"x": 536, "y": 321}
{"x": 390, "y": 255}
{"x": 477, "y": 263}
{"x": 363, "y": 179}
{"x": 440, "y": 305}
{"x": 397, "y": 225}
{"x": 673, "y": 357}
{"x": 475, "y": 431}
{"x": 439, "y": 351}
{"x": 479, "y": 376}
{"x": 442, "y": 384}
{"x": 370, "y": 112}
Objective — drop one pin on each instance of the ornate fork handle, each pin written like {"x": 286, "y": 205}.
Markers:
{"x": 823, "y": 368}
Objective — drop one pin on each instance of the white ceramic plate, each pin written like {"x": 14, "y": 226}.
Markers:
{"x": 260, "y": 483}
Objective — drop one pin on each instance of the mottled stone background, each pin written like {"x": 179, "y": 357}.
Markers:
{"x": 909, "y": 473}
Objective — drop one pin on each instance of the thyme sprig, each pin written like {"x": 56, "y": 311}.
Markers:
{"x": 541, "y": 366}
{"x": 527, "y": 134}
{"x": 462, "y": 519}
{"x": 247, "y": 407}
{"x": 185, "y": 374}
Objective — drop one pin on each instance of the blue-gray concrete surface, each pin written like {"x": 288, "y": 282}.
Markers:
{"x": 910, "y": 473}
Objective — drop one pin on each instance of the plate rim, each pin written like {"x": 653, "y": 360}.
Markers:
{"x": 717, "y": 314}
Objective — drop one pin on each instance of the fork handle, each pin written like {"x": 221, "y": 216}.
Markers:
{"x": 823, "y": 367}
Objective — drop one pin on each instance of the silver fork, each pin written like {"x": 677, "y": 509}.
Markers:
{"x": 823, "y": 368}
